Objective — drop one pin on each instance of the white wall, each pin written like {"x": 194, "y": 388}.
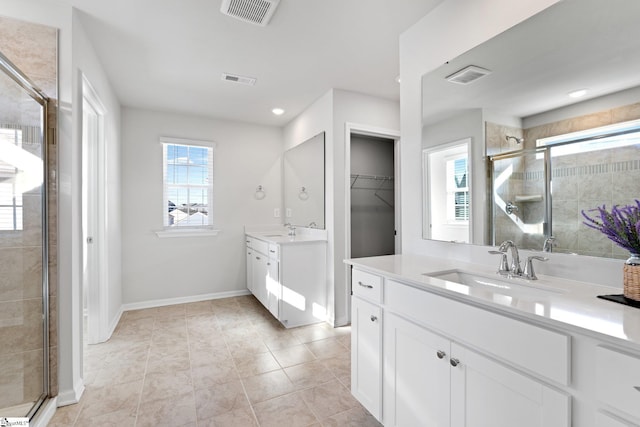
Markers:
{"x": 331, "y": 113}
{"x": 464, "y": 24}
{"x": 86, "y": 62}
{"x": 193, "y": 267}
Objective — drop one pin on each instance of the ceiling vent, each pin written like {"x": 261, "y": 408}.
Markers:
{"x": 467, "y": 75}
{"x": 234, "y": 78}
{"x": 257, "y": 12}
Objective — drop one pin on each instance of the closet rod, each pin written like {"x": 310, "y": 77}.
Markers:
{"x": 376, "y": 177}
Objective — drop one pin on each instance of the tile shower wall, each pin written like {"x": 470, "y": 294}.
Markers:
{"x": 33, "y": 49}
{"x": 580, "y": 181}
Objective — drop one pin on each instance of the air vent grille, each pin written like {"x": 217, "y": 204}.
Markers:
{"x": 257, "y": 12}
{"x": 467, "y": 75}
{"x": 234, "y": 78}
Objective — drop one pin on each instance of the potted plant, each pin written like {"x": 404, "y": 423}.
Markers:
{"x": 622, "y": 226}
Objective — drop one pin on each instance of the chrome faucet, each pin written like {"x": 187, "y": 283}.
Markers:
{"x": 515, "y": 269}
{"x": 528, "y": 272}
{"x": 549, "y": 243}
{"x": 292, "y": 229}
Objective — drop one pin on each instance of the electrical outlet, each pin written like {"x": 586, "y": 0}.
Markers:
{"x": 276, "y": 213}
{"x": 288, "y": 212}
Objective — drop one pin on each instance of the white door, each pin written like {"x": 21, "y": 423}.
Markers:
{"x": 93, "y": 261}
{"x": 486, "y": 393}
{"x": 366, "y": 354}
{"x": 416, "y": 378}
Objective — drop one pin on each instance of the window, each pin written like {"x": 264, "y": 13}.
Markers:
{"x": 457, "y": 190}
{"x": 10, "y": 194}
{"x": 188, "y": 183}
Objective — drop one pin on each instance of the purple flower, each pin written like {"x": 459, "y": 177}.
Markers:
{"x": 621, "y": 225}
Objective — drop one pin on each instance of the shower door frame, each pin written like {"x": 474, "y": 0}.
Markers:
{"x": 548, "y": 217}
{"x": 23, "y": 81}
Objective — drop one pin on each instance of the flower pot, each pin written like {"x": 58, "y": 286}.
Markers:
{"x": 631, "y": 277}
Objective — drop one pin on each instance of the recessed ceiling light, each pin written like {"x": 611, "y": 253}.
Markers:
{"x": 278, "y": 111}
{"x": 578, "y": 93}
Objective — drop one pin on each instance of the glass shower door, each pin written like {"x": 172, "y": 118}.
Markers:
{"x": 23, "y": 249}
{"x": 520, "y": 198}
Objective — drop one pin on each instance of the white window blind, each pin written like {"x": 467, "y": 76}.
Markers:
{"x": 457, "y": 190}
{"x": 187, "y": 183}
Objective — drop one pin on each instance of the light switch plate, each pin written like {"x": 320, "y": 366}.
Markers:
{"x": 276, "y": 213}
{"x": 288, "y": 212}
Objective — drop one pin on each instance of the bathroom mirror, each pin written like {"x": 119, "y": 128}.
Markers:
{"x": 522, "y": 96}
{"x": 304, "y": 186}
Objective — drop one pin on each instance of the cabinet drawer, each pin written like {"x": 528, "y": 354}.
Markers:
{"x": 249, "y": 241}
{"x": 618, "y": 380}
{"x": 260, "y": 246}
{"x": 274, "y": 251}
{"x": 366, "y": 285}
{"x": 529, "y": 347}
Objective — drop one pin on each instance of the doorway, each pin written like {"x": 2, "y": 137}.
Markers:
{"x": 372, "y": 191}
{"x": 93, "y": 217}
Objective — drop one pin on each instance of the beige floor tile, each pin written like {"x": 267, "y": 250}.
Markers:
{"x": 355, "y": 417}
{"x": 160, "y": 385}
{"x": 289, "y": 410}
{"x": 339, "y": 366}
{"x": 191, "y": 356}
{"x": 177, "y": 410}
{"x": 221, "y": 372}
{"x": 221, "y": 399}
{"x": 293, "y": 355}
{"x": 328, "y": 399}
{"x": 65, "y": 416}
{"x": 123, "y": 418}
{"x": 309, "y": 374}
{"x": 267, "y": 386}
{"x": 326, "y": 348}
{"x": 254, "y": 364}
{"x": 167, "y": 361}
{"x": 104, "y": 400}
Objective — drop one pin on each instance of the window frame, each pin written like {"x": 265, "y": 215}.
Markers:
{"x": 187, "y": 230}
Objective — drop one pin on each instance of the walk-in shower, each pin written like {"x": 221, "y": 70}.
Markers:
{"x": 24, "y": 307}
{"x": 540, "y": 192}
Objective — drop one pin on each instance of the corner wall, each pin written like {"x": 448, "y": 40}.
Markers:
{"x": 157, "y": 270}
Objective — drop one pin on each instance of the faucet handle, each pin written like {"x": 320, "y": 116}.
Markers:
{"x": 528, "y": 272}
{"x": 504, "y": 262}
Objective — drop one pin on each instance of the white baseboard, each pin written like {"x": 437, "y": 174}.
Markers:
{"x": 71, "y": 397}
{"x": 45, "y": 413}
{"x": 340, "y": 321}
{"x": 114, "y": 323}
{"x": 182, "y": 300}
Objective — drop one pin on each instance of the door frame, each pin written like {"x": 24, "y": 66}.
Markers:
{"x": 367, "y": 130}
{"x": 94, "y": 209}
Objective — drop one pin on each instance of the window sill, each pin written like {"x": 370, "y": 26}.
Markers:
{"x": 197, "y": 232}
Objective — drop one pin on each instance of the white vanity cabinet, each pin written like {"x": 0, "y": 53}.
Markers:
{"x": 288, "y": 278}
{"x": 447, "y": 364}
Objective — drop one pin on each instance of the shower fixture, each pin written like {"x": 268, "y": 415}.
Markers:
{"x": 515, "y": 138}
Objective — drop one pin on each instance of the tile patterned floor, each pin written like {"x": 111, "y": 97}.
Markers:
{"x": 224, "y": 362}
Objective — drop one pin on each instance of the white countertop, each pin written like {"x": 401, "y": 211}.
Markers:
{"x": 570, "y": 305}
{"x": 281, "y": 237}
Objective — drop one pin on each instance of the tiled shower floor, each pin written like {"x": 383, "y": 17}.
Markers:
{"x": 223, "y": 362}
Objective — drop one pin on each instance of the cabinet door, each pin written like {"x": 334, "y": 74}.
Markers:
{"x": 416, "y": 377}
{"x": 487, "y": 393}
{"x": 366, "y": 355}
{"x": 249, "y": 269}
{"x": 274, "y": 290}
{"x": 259, "y": 272}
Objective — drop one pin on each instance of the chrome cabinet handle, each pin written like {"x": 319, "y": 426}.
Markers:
{"x": 441, "y": 354}
{"x": 365, "y": 286}
{"x": 258, "y": 258}
{"x": 373, "y": 318}
{"x": 273, "y": 252}
{"x": 454, "y": 362}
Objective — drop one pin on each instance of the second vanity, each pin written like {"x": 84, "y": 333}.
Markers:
{"x": 287, "y": 274}
{"x": 429, "y": 350}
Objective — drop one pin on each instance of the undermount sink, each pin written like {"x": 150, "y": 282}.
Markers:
{"x": 497, "y": 284}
